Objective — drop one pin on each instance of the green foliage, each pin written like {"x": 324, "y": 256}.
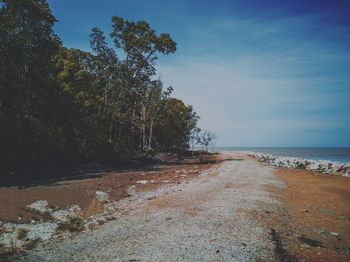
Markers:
{"x": 61, "y": 106}
{"x": 22, "y": 233}
{"x": 31, "y": 244}
{"x": 74, "y": 224}
{"x": 173, "y": 128}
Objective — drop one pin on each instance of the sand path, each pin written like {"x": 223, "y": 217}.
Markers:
{"x": 206, "y": 219}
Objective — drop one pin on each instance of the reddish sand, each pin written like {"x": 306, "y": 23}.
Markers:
{"x": 82, "y": 192}
{"x": 319, "y": 209}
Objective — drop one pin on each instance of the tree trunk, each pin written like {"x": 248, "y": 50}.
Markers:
{"x": 150, "y": 134}
{"x": 143, "y": 126}
{"x": 110, "y": 133}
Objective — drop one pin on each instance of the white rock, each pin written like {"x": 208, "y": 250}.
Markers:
{"x": 40, "y": 206}
{"x": 314, "y": 167}
{"x": 43, "y": 231}
{"x": 67, "y": 214}
{"x": 324, "y": 166}
{"x": 334, "y": 234}
{"x": 142, "y": 182}
{"x": 110, "y": 208}
{"x": 102, "y": 196}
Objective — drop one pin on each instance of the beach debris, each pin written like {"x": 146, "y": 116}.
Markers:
{"x": 102, "y": 196}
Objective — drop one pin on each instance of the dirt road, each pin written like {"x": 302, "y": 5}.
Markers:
{"x": 206, "y": 219}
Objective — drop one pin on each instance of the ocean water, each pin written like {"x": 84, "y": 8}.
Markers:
{"x": 341, "y": 155}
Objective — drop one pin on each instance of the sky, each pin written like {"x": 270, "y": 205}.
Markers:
{"x": 259, "y": 73}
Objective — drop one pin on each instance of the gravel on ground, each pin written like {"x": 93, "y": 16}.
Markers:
{"x": 204, "y": 219}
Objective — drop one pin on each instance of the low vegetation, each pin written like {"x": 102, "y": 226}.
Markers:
{"x": 32, "y": 243}
{"x": 74, "y": 224}
{"x": 22, "y": 233}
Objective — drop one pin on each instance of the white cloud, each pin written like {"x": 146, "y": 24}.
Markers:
{"x": 265, "y": 82}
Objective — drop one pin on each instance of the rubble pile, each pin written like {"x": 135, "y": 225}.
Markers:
{"x": 323, "y": 166}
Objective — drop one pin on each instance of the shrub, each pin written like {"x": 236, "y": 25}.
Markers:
{"x": 300, "y": 165}
{"x": 30, "y": 244}
{"x": 22, "y": 233}
{"x": 75, "y": 224}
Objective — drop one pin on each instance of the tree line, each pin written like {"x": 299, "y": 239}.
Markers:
{"x": 65, "y": 106}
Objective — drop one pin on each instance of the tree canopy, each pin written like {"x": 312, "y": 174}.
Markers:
{"x": 65, "y": 106}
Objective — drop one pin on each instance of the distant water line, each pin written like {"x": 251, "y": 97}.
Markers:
{"x": 341, "y": 155}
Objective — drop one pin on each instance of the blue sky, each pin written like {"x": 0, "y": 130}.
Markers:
{"x": 259, "y": 73}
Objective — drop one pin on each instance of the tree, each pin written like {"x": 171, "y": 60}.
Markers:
{"x": 141, "y": 46}
{"x": 174, "y": 125}
{"x": 27, "y": 48}
{"x": 195, "y": 132}
{"x": 207, "y": 138}
{"x": 62, "y": 107}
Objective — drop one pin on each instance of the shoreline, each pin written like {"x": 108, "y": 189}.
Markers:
{"x": 322, "y": 166}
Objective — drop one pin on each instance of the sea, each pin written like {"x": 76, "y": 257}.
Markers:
{"x": 341, "y": 155}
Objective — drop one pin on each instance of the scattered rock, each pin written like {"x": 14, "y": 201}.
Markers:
{"x": 102, "y": 196}
{"x": 142, "y": 182}
{"x": 110, "y": 208}
{"x": 40, "y": 206}
{"x": 324, "y": 166}
{"x": 67, "y": 214}
{"x": 12, "y": 236}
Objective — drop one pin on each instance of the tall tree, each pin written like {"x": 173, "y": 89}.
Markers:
{"x": 27, "y": 46}
{"x": 61, "y": 106}
{"x": 141, "y": 46}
